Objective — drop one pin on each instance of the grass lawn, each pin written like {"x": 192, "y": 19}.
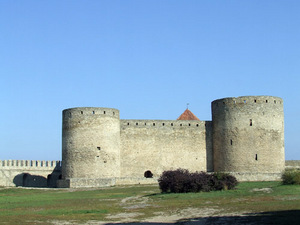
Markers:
{"x": 263, "y": 202}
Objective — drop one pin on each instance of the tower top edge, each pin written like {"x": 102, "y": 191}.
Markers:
{"x": 250, "y": 97}
{"x": 89, "y": 108}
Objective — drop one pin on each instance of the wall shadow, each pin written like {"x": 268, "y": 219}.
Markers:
{"x": 209, "y": 146}
{"x": 34, "y": 180}
{"x": 288, "y": 217}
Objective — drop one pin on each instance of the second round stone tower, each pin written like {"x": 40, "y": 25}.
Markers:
{"x": 248, "y": 135}
{"x": 90, "y": 143}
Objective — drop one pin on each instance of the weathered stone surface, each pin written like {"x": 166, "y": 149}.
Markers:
{"x": 248, "y": 134}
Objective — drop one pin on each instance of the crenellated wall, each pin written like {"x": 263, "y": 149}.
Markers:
{"x": 29, "y": 173}
{"x": 159, "y": 145}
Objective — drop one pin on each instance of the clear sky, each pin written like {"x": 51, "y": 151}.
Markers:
{"x": 146, "y": 58}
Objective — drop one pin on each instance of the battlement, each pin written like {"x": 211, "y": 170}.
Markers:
{"x": 90, "y": 111}
{"x": 30, "y": 164}
{"x": 248, "y": 100}
{"x": 163, "y": 123}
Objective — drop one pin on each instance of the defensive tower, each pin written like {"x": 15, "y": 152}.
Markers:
{"x": 90, "y": 143}
{"x": 248, "y": 135}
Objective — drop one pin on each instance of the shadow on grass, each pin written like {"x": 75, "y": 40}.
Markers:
{"x": 277, "y": 217}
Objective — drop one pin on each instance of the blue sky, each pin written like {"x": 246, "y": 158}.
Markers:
{"x": 146, "y": 58}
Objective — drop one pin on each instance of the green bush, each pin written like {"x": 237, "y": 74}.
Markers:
{"x": 291, "y": 177}
{"x": 182, "y": 181}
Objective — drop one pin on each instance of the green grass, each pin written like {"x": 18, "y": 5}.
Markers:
{"x": 33, "y": 206}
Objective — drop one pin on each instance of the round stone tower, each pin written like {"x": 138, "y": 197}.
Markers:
{"x": 90, "y": 143}
{"x": 248, "y": 135}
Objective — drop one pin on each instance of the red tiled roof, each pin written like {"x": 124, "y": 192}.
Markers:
{"x": 187, "y": 115}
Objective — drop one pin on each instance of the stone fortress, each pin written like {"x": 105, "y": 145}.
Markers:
{"x": 244, "y": 138}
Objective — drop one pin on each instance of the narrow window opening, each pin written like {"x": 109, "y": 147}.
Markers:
{"x": 148, "y": 174}
{"x": 255, "y": 100}
{"x": 163, "y": 124}
{"x": 171, "y": 124}
{"x": 266, "y": 101}
{"x": 93, "y": 112}
{"x": 153, "y": 124}
{"x": 189, "y": 124}
{"x": 197, "y": 125}
{"x": 181, "y": 124}
{"x": 145, "y": 123}
{"x": 275, "y": 101}
{"x": 137, "y": 124}
{"x": 104, "y": 112}
{"x": 256, "y": 157}
{"x": 230, "y": 141}
{"x": 99, "y": 148}
{"x": 81, "y": 112}
{"x": 250, "y": 122}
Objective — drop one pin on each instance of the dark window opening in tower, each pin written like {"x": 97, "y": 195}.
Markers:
{"x": 266, "y": 101}
{"x": 93, "y": 112}
{"x": 189, "y": 124}
{"x": 127, "y": 124}
{"x": 254, "y": 100}
{"x": 81, "y": 112}
{"x": 136, "y": 123}
{"x": 230, "y": 141}
{"x": 256, "y": 157}
{"x": 275, "y": 101}
{"x": 153, "y": 124}
{"x": 104, "y": 112}
{"x": 250, "y": 122}
{"x": 181, "y": 124}
{"x": 148, "y": 174}
{"x": 163, "y": 124}
{"x": 99, "y": 148}
{"x": 197, "y": 125}
{"x": 171, "y": 124}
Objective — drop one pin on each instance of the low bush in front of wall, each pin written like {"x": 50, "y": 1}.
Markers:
{"x": 182, "y": 181}
{"x": 291, "y": 177}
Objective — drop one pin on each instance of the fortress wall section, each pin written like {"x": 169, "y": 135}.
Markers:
{"x": 292, "y": 164}
{"x": 90, "y": 143}
{"x": 29, "y": 173}
{"x": 248, "y": 135}
{"x": 159, "y": 145}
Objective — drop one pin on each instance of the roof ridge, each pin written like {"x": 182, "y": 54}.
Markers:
{"x": 187, "y": 115}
